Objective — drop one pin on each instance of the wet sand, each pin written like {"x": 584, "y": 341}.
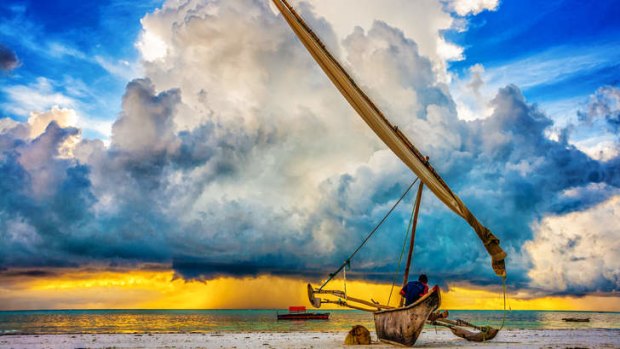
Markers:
{"x": 428, "y": 339}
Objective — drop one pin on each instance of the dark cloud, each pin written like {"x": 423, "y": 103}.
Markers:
{"x": 204, "y": 269}
{"x": 27, "y": 273}
{"x": 604, "y": 104}
{"x": 44, "y": 198}
{"x": 55, "y": 210}
{"x": 511, "y": 175}
{"x": 8, "y": 59}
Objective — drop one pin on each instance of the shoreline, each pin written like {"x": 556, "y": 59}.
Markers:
{"x": 559, "y": 338}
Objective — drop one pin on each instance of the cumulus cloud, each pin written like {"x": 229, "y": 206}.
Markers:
{"x": 236, "y": 156}
{"x": 423, "y": 21}
{"x": 39, "y": 121}
{"x": 596, "y": 129}
{"x": 151, "y": 46}
{"x": 145, "y": 125}
{"x": 467, "y": 7}
{"x": 472, "y": 95}
{"x": 577, "y": 252}
{"x": 604, "y": 104}
{"x": 44, "y": 195}
{"x": 7, "y": 124}
{"x": 8, "y": 59}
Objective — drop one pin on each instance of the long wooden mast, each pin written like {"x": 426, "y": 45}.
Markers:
{"x": 418, "y": 199}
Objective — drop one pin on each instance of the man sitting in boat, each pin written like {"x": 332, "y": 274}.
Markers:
{"x": 414, "y": 290}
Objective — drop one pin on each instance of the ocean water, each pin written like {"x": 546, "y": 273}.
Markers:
{"x": 176, "y": 321}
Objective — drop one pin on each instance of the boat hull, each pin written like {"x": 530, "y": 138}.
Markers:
{"x": 404, "y": 325}
{"x": 571, "y": 319}
{"x": 304, "y": 316}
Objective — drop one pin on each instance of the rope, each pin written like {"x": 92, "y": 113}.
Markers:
{"x": 504, "y": 291}
{"x": 485, "y": 329}
{"x": 460, "y": 322}
{"x": 348, "y": 260}
{"x": 402, "y": 253}
{"x": 344, "y": 275}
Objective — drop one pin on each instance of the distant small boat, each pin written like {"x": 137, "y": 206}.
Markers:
{"x": 575, "y": 319}
{"x": 299, "y": 313}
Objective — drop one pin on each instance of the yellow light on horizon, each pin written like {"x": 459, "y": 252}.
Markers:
{"x": 139, "y": 289}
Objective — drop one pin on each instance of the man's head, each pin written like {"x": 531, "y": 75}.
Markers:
{"x": 423, "y": 279}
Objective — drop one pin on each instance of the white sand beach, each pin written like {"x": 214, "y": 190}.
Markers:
{"x": 428, "y": 339}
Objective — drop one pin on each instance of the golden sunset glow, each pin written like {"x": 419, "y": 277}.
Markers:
{"x": 138, "y": 289}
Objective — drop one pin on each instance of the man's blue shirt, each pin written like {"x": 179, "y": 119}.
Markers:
{"x": 413, "y": 291}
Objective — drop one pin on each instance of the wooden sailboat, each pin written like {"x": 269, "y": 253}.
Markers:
{"x": 575, "y": 319}
{"x": 300, "y": 313}
{"x": 403, "y": 324}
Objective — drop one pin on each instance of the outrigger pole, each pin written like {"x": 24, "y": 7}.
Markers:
{"x": 316, "y": 302}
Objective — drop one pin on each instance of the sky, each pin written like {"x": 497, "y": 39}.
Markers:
{"x": 191, "y": 154}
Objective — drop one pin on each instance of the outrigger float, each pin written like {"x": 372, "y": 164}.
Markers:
{"x": 400, "y": 325}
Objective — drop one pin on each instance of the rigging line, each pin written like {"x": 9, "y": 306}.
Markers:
{"x": 460, "y": 322}
{"x": 485, "y": 328}
{"x": 348, "y": 260}
{"x": 504, "y": 291}
{"x": 402, "y": 253}
{"x": 344, "y": 275}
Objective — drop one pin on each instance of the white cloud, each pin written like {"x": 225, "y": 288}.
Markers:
{"x": 120, "y": 68}
{"x": 38, "y": 96}
{"x": 7, "y": 124}
{"x": 472, "y": 95}
{"x": 577, "y": 251}
{"x": 466, "y": 7}
{"x": 40, "y": 159}
{"x": 422, "y": 21}
{"x": 43, "y": 95}
{"x": 449, "y": 51}
{"x": 553, "y": 65}
{"x": 223, "y": 66}
{"x": 594, "y": 125}
{"x": 64, "y": 118}
{"x": 59, "y": 50}
{"x": 599, "y": 147}
{"x": 40, "y": 120}
{"x": 243, "y": 70}
{"x": 261, "y": 135}
{"x": 102, "y": 128}
{"x": 151, "y": 46}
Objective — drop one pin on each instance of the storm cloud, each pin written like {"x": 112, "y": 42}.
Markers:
{"x": 236, "y": 156}
{"x": 604, "y": 104}
{"x": 8, "y": 59}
